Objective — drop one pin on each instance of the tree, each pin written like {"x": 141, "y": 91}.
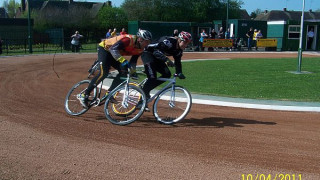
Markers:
{"x": 11, "y": 8}
{"x": 112, "y": 17}
{"x": 255, "y": 13}
{"x": 180, "y": 10}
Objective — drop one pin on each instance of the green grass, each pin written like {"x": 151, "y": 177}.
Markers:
{"x": 254, "y": 78}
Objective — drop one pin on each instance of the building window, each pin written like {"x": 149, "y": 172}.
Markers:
{"x": 294, "y": 32}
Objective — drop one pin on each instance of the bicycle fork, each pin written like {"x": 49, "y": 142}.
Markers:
{"x": 124, "y": 102}
{"x": 172, "y": 97}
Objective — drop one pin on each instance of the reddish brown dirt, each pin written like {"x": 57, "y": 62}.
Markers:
{"x": 38, "y": 140}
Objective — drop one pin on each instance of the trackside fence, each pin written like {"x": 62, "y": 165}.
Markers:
{"x": 48, "y": 45}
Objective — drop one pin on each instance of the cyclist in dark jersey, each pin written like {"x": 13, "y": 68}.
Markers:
{"x": 155, "y": 59}
{"x": 111, "y": 52}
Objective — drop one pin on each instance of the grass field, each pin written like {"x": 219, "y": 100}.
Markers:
{"x": 254, "y": 78}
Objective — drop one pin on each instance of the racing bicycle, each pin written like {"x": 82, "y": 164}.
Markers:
{"x": 127, "y": 108}
{"x": 171, "y": 104}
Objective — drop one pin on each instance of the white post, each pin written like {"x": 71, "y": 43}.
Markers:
{"x": 300, "y": 42}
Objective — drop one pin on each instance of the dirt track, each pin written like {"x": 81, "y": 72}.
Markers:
{"x": 38, "y": 140}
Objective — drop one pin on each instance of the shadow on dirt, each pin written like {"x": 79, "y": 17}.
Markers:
{"x": 220, "y": 122}
{"x": 216, "y": 122}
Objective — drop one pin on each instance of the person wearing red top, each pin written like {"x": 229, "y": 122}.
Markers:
{"x": 111, "y": 52}
{"x": 123, "y": 31}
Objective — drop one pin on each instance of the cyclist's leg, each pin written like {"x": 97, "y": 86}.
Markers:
{"x": 120, "y": 77}
{"x": 103, "y": 56}
{"x": 151, "y": 71}
{"x": 94, "y": 63}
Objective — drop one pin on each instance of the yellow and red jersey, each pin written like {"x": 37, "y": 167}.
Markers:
{"x": 125, "y": 44}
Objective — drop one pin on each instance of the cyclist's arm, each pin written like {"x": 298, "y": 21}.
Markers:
{"x": 160, "y": 48}
{"x": 119, "y": 45}
{"x": 133, "y": 61}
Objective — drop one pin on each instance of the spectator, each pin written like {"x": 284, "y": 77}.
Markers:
{"x": 258, "y": 36}
{"x": 175, "y": 33}
{"x": 255, "y": 32}
{"x": 213, "y": 34}
{"x": 114, "y": 32}
{"x": 203, "y": 35}
{"x": 310, "y": 38}
{"x": 221, "y": 33}
{"x": 108, "y": 35}
{"x": 75, "y": 42}
{"x": 227, "y": 36}
{"x": 250, "y": 37}
{"x": 123, "y": 31}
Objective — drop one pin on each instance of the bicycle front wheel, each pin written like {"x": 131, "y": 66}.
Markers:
{"x": 121, "y": 105}
{"x": 72, "y": 103}
{"x": 172, "y": 105}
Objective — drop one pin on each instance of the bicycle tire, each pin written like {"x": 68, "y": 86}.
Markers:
{"x": 118, "y": 110}
{"x": 136, "y": 94}
{"x": 72, "y": 103}
{"x": 168, "y": 112}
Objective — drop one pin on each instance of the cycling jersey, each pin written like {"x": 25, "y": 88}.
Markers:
{"x": 167, "y": 46}
{"x": 123, "y": 45}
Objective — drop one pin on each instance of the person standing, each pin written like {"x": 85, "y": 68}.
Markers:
{"x": 114, "y": 32}
{"x": 175, "y": 33}
{"x": 250, "y": 38}
{"x": 258, "y": 36}
{"x": 213, "y": 34}
{"x": 108, "y": 35}
{"x": 254, "y": 43}
{"x": 227, "y": 36}
{"x": 310, "y": 38}
{"x": 123, "y": 31}
{"x": 75, "y": 42}
{"x": 203, "y": 35}
{"x": 221, "y": 33}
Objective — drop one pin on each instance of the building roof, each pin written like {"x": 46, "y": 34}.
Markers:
{"x": 244, "y": 14}
{"x": 277, "y": 15}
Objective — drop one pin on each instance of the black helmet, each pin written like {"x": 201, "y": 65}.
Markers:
{"x": 144, "y": 34}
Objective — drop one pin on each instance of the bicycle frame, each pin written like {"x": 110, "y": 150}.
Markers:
{"x": 172, "y": 82}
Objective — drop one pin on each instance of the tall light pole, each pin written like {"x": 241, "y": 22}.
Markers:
{"x": 300, "y": 42}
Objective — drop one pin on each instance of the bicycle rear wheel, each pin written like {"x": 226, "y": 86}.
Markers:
{"x": 172, "y": 106}
{"x": 120, "y": 106}
{"x": 72, "y": 103}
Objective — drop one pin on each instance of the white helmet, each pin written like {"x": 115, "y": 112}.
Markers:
{"x": 144, "y": 34}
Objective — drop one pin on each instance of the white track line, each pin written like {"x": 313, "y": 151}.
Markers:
{"x": 251, "y": 105}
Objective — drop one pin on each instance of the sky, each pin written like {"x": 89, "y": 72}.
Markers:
{"x": 250, "y": 5}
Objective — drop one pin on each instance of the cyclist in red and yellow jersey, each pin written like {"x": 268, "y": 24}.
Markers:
{"x": 111, "y": 52}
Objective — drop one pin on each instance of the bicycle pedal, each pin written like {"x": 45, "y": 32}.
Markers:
{"x": 95, "y": 103}
{"x": 146, "y": 109}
